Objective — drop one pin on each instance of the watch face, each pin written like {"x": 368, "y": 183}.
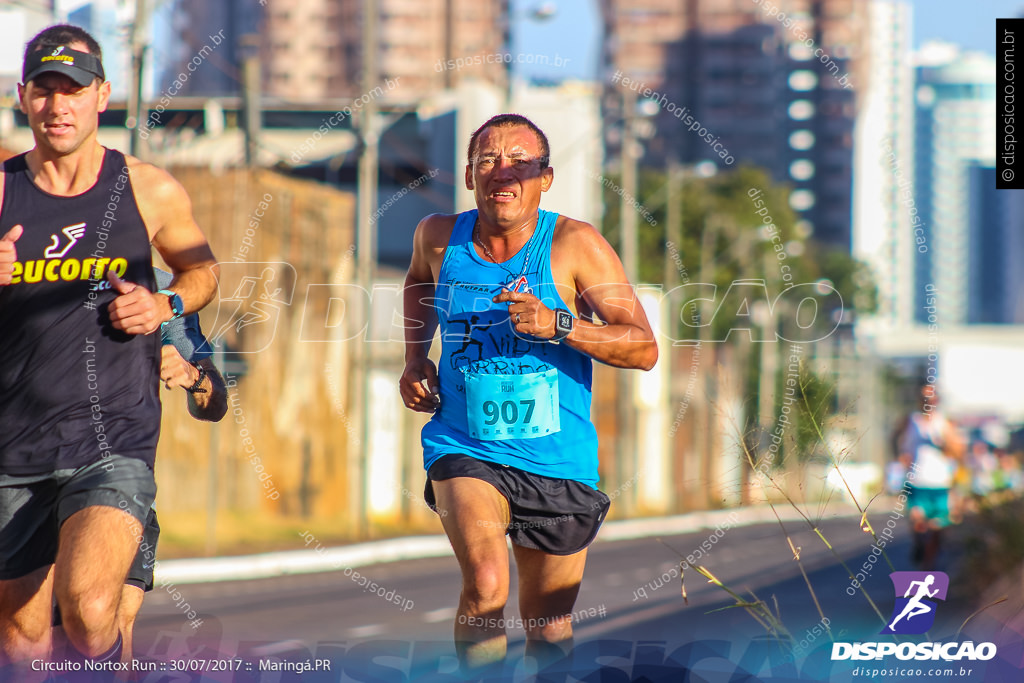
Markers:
{"x": 564, "y": 321}
{"x": 177, "y": 307}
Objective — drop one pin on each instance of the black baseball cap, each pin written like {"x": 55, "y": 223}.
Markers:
{"x": 81, "y": 67}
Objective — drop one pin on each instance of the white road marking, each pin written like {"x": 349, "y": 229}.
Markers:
{"x": 366, "y": 631}
{"x": 443, "y": 614}
{"x": 278, "y": 647}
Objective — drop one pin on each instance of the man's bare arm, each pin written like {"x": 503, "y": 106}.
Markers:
{"x": 210, "y": 404}
{"x": 420, "y": 316}
{"x": 625, "y": 338}
{"x": 178, "y": 238}
{"x": 167, "y": 213}
{"x": 419, "y": 382}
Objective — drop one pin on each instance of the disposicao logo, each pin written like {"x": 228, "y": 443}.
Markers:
{"x": 916, "y": 592}
{"x": 914, "y": 613}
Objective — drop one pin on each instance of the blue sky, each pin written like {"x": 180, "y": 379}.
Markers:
{"x": 574, "y": 32}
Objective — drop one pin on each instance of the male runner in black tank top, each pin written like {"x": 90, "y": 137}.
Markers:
{"x": 79, "y": 375}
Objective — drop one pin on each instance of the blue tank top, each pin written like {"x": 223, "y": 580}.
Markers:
{"x": 508, "y": 398}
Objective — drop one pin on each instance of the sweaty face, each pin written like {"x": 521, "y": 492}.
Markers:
{"x": 61, "y": 113}
{"x": 506, "y": 176}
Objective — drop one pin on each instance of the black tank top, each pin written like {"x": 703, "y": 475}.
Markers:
{"x": 73, "y": 390}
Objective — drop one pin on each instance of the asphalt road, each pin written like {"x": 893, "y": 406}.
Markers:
{"x": 632, "y": 621}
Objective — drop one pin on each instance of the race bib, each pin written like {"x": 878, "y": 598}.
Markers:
{"x": 503, "y": 407}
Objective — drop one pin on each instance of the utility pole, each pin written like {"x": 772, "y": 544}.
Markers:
{"x": 251, "y": 96}
{"x": 706, "y": 432}
{"x": 449, "y": 43}
{"x": 673, "y": 223}
{"x": 628, "y": 240}
{"x": 627, "y": 458}
{"x": 140, "y": 28}
{"x": 769, "y": 352}
{"x": 358, "y": 459}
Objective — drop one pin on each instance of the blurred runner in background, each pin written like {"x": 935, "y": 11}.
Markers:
{"x": 930, "y": 450}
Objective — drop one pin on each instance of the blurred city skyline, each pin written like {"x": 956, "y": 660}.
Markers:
{"x": 575, "y": 27}
{"x": 746, "y": 83}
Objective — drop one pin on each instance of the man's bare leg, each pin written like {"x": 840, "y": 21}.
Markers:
{"x": 96, "y": 548}
{"x": 25, "y": 615}
{"x": 131, "y": 603}
{"x": 548, "y": 586}
{"x": 475, "y": 517}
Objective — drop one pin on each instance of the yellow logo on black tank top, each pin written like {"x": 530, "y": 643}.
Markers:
{"x": 67, "y": 270}
{"x": 55, "y": 268}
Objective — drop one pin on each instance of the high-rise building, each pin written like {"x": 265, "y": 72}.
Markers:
{"x": 304, "y": 53}
{"x": 21, "y": 20}
{"x": 884, "y": 203}
{"x": 987, "y": 229}
{"x": 206, "y": 46}
{"x": 773, "y": 89}
{"x": 312, "y": 50}
{"x": 955, "y": 130}
{"x": 109, "y": 22}
{"x": 1013, "y": 291}
{"x": 995, "y": 250}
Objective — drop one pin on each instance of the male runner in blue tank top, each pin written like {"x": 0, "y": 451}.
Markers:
{"x": 511, "y": 448}
{"x": 79, "y": 381}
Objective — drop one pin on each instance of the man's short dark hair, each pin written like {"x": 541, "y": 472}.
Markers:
{"x": 62, "y": 34}
{"x": 510, "y": 121}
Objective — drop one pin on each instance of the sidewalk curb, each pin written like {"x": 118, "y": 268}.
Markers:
{"x": 320, "y": 559}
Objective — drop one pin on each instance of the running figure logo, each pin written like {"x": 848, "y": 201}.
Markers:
{"x": 248, "y": 317}
{"x": 73, "y": 233}
{"x": 914, "y": 611}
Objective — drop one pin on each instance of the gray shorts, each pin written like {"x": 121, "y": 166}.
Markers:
{"x": 34, "y": 506}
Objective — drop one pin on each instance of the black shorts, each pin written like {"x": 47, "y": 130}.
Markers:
{"x": 140, "y": 574}
{"x": 33, "y": 507}
{"x": 556, "y": 516}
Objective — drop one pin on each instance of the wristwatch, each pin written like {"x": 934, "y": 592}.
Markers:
{"x": 563, "y": 324}
{"x": 195, "y": 388}
{"x": 177, "y": 306}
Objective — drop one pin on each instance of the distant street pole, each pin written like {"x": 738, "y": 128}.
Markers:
{"x": 706, "y": 431}
{"x": 449, "y": 42}
{"x": 252, "y": 106}
{"x": 628, "y": 239}
{"x": 541, "y": 12}
{"x": 673, "y": 223}
{"x": 366, "y": 260}
{"x": 140, "y": 29}
{"x": 627, "y": 459}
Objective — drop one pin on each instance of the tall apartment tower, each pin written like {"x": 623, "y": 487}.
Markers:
{"x": 109, "y": 22}
{"x": 198, "y": 26}
{"x": 311, "y": 50}
{"x": 883, "y": 217}
{"x": 954, "y": 132}
{"x": 995, "y": 234}
{"x": 775, "y": 90}
{"x": 21, "y": 20}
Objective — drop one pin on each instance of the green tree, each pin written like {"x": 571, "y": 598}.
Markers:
{"x": 745, "y": 220}
{"x": 738, "y": 226}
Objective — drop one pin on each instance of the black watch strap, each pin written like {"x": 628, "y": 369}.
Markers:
{"x": 563, "y": 324}
{"x": 195, "y": 388}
